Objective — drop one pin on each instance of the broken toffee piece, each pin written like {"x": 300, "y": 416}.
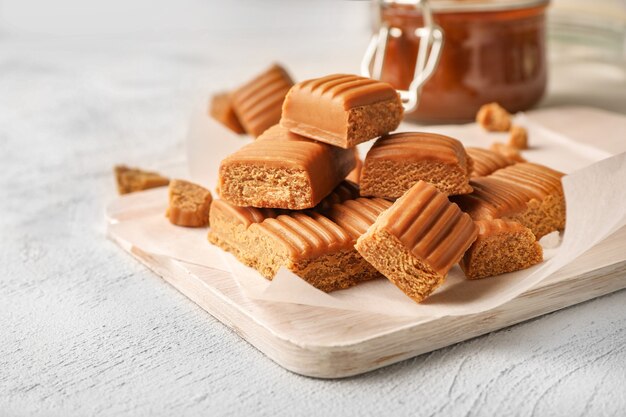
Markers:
{"x": 130, "y": 180}
{"x": 417, "y": 240}
{"x": 189, "y": 204}
{"x": 501, "y": 246}
{"x": 342, "y": 110}
{"x": 258, "y": 103}
{"x": 528, "y": 193}
{"x": 283, "y": 170}
{"x": 399, "y": 160}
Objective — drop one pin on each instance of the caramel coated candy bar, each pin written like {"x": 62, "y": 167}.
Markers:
{"x": 486, "y": 162}
{"x": 314, "y": 247}
{"x": 283, "y": 170}
{"x": 417, "y": 240}
{"x": 528, "y": 193}
{"x": 343, "y": 110}
{"x": 501, "y": 246}
{"x": 258, "y": 103}
{"x": 221, "y": 109}
{"x": 189, "y": 204}
{"x": 397, "y": 161}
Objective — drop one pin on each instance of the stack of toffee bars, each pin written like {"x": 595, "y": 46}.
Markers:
{"x": 423, "y": 202}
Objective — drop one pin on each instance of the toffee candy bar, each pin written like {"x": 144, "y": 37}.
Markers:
{"x": 417, "y": 240}
{"x": 343, "y": 110}
{"x": 258, "y": 103}
{"x": 189, "y": 204}
{"x": 221, "y": 109}
{"x": 528, "y": 193}
{"x": 283, "y": 170}
{"x": 397, "y": 161}
{"x": 229, "y": 223}
{"x": 486, "y": 162}
{"x": 501, "y": 246}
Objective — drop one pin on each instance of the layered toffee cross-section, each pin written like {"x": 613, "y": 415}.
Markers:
{"x": 501, "y": 246}
{"x": 189, "y": 204}
{"x": 343, "y": 110}
{"x": 283, "y": 170}
{"x": 397, "y": 161}
{"x": 528, "y": 193}
{"x": 258, "y": 103}
{"x": 486, "y": 162}
{"x": 417, "y": 240}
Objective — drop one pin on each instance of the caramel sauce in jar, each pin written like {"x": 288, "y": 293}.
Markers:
{"x": 487, "y": 55}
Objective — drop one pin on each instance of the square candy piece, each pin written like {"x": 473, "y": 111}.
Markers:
{"x": 258, "y": 103}
{"x": 417, "y": 240}
{"x": 283, "y": 170}
{"x": 343, "y": 110}
{"x": 397, "y": 161}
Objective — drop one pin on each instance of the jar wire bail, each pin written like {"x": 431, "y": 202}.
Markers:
{"x": 431, "y": 41}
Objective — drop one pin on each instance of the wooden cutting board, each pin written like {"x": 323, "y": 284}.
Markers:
{"x": 329, "y": 343}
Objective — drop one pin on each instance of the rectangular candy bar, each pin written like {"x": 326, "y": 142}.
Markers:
{"x": 528, "y": 193}
{"x": 258, "y": 103}
{"x": 486, "y": 162}
{"x": 501, "y": 246}
{"x": 283, "y": 170}
{"x": 229, "y": 223}
{"x": 343, "y": 110}
{"x": 316, "y": 248}
{"x": 417, "y": 240}
{"x": 397, "y": 161}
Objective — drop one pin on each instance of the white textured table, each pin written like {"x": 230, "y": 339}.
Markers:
{"x": 86, "y": 330}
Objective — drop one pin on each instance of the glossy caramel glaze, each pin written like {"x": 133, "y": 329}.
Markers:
{"x": 487, "y": 162}
{"x": 432, "y": 228}
{"x": 306, "y": 235}
{"x": 417, "y": 146}
{"x": 258, "y": 103}
{"x": 357, "y": 215}
{"x": 244, "y": 215}
{"x": 488, "y": 228}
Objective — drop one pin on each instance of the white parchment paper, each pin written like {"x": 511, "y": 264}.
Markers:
{"x": 596, "y": 207}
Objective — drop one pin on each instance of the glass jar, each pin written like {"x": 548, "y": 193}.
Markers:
{"x": 491, "y": 51}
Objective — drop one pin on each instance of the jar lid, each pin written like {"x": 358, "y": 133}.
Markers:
{"x": 473, "y": 5}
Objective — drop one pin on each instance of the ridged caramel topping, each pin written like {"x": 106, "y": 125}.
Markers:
{"x": 432, "y": 228}
{"x": 348, "y": 90}
{"x": 486, "y": 162}
{"x": 346, "y": 190}
{"x": 244, "y": 215}
{"x": 496, "y": 226}
{"x": 417, "y": 146}
{"x": 258, "y": 103}
{"x": 508, "y": 191}
{"x": 306, "y": 235}
{"x": 356, "y": 216}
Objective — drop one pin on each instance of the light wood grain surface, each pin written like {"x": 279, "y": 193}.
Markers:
{"x": 86, "y": 330}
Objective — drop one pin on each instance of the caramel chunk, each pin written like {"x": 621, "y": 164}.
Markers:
{"x": 343, "y": 110}
{"x": 417, "y": 240}
{"x": 130, "y": 180}
{"x": 314, "y": 247}
{"x": 221, "y": 109}
{"x": 528, "y": 193}
{"x": 355, "y": 174}
{"x": 258, "y": 103}
{"x": 283, "y": 170}
{"x": 189, "y": 204}
{"x": 501, "y": 247}
{"x": 518, "y": 137}
{"x": 397, "y": 161}
{"x": 486, "y": 162}
{"x": 507, "y": 151}
{"x": 494, "y": 118}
